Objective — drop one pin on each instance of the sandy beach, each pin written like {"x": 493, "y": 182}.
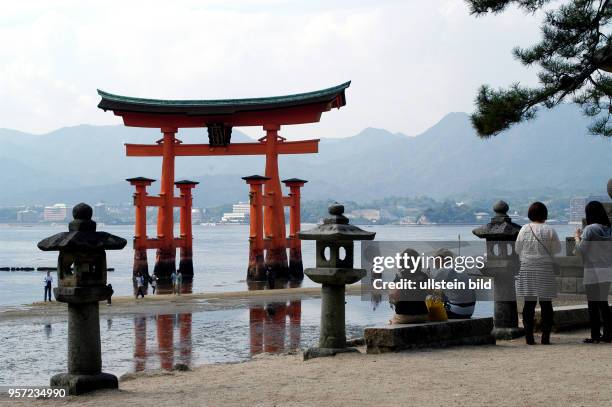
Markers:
{"x": 507, "y": 374}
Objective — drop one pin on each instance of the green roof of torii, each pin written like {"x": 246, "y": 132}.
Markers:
{"x": 221, "y": 106}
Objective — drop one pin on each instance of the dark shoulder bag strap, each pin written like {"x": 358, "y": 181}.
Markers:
{"x": 539, "y": 241}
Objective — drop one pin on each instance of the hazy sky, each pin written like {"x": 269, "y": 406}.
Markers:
{"x": 411, "y": 61}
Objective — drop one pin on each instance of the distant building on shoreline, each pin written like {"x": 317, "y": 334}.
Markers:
{"x": 55, "y": 213}
{"x": 100, "y": 211}
{"x": 196, "y": 216}
{"x": 240, "y": 213}
{"x": 28, "y": 216}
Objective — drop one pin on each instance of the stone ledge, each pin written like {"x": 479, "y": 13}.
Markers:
{"x": 394, "y": 338}
{"x": 566, "y": 318}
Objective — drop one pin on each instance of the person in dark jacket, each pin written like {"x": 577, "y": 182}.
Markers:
{"x": 595, "y": 246}
{"x": 409, "y": 305}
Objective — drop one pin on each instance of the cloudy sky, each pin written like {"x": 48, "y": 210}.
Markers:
{"x": 411, "y": 61}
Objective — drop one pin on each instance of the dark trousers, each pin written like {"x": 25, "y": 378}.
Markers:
{"x": 48, "y": 291}
{"x": 140, "y": 292}
{"x": 597, "y": 300}
{"x": 529, "y": 314}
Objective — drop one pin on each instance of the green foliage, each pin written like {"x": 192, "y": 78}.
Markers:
{"x": 449, "y": 212}
{"x": 575, "y": 57}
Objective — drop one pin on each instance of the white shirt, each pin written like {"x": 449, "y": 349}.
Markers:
{"x": 48, "y": 279}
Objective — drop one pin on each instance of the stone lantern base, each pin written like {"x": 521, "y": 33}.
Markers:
{"x": 507, "y": 333}
{"x": 316, "y": 352}
{"x": 80, "y": 383}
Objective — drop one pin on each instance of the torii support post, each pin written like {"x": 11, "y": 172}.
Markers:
{"x": 141, "y": 266}
{"x": 296, "y": 268}
{"x": 165, "y": 262}
{"x": 274, "y": 211}
{"x": 257, "y": 268}
{"x": 186, "y": 257}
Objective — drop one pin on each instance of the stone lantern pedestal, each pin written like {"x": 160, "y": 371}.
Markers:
{"x": 334, "y": 260}
{"x": 82, "y": 280}
{"x": 502, "y": 265}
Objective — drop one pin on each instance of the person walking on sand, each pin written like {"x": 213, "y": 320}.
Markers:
{"x": 536, "y": 244}
{"x": 179, "y": 282}
{"x": 595, "y": 246}
{"x": 47, "y": 282}
{"x": 140, "y": 286}
{"x": 153, "y": 282}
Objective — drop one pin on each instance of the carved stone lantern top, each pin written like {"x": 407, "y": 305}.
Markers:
{"x": 336, "y": 228}
{"x": 334, "y": 249}
{"x": 82, "y": 235}
{"x": 501, "y": 227}
{"x": 81, "y": 264}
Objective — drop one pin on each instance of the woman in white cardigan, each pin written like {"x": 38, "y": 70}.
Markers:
{"x": 536, "y": 245}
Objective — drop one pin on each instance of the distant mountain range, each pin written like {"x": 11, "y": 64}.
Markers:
{"x": 551, "y": 155}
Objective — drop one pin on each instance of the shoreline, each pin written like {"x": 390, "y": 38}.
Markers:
{"x": 167, "y": 303}
{"x": 123, "y": 306}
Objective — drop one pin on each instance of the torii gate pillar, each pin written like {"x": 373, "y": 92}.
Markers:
{"x": 186, "y": 240}
{"x": 296, "y": 269}
{"x": 141, "y": 266}
{"x": 274, "y": 212}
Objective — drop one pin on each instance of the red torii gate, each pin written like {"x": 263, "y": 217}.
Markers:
{"x": 220, "y": 116}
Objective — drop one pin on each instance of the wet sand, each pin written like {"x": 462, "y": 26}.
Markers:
{"x": 510, "y": 373}
{"x": 166, "y": 303}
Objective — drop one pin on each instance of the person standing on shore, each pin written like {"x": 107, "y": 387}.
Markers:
{"x": 595, "y": 246}
{"x": 154, "y": 282}
{"x": 140, "y": 286}
{"x": 173, "y": 280}
{"x": 111, "y": 292}
{"x": 536, "y": 244}
{"x": 47, "y": 282}
{"x": 179, "y": 282}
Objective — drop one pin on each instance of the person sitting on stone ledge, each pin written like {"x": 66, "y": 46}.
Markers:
{"x": 459, "y": 303}
{"x": 409, "y": 304}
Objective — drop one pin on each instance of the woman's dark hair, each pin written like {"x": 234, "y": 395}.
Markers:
{"x": 537, "y": 212}
{"x": 596, "y": 213}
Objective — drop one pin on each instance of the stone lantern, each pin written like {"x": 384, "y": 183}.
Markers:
{"x": 502, "y": 265}
{"x": 81, "y": 275}
{"x": 334, "y": 269}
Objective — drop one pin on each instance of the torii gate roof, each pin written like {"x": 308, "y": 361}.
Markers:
{"x": 290, "y": 109}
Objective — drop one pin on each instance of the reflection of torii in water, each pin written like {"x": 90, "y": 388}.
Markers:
{"x": 268, "y": 326}
{"x": 165, "y": 340}
{"x": 220, "y": 116}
